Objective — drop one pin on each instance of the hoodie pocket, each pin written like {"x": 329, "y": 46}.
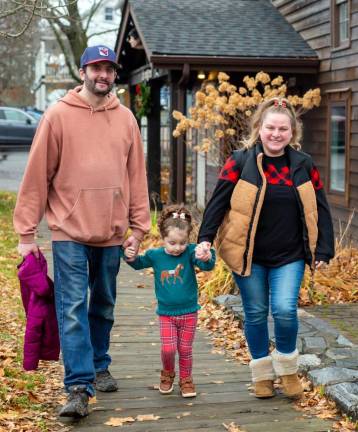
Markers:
{"x": 97, "y": 216}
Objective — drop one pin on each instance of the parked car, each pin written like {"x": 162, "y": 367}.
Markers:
{"x": 34, "y": 112}
{"x": 17, "y": 127}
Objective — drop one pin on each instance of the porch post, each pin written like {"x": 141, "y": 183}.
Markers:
{"x": 153, "y": 145}
{"x": 178, "y": 150}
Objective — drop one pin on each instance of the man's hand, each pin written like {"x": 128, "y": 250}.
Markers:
{"x": 25, "y": 249}
{"x": 202, "y": 251}
{"x": 132, "y": 243}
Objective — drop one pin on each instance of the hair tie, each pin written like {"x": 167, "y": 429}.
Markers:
{"x": 280, "y": 103}
{"x": 177, "y": 215}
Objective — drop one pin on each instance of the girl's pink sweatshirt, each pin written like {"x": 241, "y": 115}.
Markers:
{"x": 86, "y": 172}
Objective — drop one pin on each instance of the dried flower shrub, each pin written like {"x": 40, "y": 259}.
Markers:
{"x": 222, "y": 111}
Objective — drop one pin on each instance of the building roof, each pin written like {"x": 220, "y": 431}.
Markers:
{"x": 219, "y": 28}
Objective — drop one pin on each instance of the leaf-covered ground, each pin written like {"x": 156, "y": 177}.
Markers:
{"x": 27, "y": 399}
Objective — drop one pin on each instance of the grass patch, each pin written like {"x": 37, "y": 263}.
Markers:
{"x": 21, "y": 399}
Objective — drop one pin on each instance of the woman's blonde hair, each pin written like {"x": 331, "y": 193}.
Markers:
{"x": 274, "y": 105}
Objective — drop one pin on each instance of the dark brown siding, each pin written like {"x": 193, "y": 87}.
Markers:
{"x": 211, "y": 179}
{"x": 338, "y": 70}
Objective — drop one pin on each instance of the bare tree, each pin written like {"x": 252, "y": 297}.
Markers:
{"x": 17, "y": 59}
{"x": 68, "y": 25}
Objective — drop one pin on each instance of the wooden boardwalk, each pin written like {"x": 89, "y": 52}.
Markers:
{"x": 221, "y": 383}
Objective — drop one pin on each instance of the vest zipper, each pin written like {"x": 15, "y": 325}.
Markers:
{"x": 307, "y": 250}
{"x": 249, "y": 232}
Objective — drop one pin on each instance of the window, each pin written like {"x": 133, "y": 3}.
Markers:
{"x": 340, "y": 24}
{"x": 343, "y": 21}
{"x": 338, "y": 148}
{"x": 108, "y": 13}
{"x": 15, "y": 115}
{"x": 338, "y": 145}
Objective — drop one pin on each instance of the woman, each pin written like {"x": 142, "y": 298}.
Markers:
{"x": 273, "y": 217}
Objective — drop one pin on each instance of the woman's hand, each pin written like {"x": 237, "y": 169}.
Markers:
{"x": 202, "y": 251}
{"x": 320, "y": 265}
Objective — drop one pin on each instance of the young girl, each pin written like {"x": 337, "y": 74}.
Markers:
{"x": 176, "y": 290}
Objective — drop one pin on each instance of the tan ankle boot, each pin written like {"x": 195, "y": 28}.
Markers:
{"x": 264, "y": 389}
{"x": 291, "y": 386}
{"x": 286, "y": 366}
{"x": 262, "y": 377}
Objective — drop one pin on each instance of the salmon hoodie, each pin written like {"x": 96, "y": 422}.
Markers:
{"x": 86, "y": 172}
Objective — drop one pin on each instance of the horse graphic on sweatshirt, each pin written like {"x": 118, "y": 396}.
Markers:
{"x": 173, "y": 275}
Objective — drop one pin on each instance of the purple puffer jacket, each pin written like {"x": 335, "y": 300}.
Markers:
{"x": 41, "y": 336}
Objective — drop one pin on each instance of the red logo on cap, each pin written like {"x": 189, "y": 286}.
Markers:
{"x": 103, "y": 51}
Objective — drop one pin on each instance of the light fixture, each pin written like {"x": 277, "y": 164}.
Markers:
{"x": 201, "y": 75}
{"x": 121, "y": 90}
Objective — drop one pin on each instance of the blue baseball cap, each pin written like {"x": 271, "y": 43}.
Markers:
{"x": 97, "y": 54}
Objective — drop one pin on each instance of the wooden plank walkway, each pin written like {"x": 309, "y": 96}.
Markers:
{"x": 221, "y": 383}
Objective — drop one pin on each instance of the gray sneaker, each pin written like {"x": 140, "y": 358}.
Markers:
{"x": 105, "y": 382}
{"x": 77, "y": 403}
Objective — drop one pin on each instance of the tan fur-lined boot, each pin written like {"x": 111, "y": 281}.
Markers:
{"x": 262, "y": 376}
{"x": 286, "y": 366}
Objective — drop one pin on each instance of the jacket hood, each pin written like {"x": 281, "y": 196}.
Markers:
{"x": 73, "y": 98}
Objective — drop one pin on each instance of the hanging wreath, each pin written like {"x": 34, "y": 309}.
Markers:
{"x": 142, "y": 102}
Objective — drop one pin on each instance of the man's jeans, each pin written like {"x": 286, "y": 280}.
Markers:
{"x": 278, "y": 286}
{"x": 84, "y": 326}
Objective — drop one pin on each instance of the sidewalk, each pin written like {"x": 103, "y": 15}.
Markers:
{"x": 222, "y": 384}
{"x": 327, "y": 338}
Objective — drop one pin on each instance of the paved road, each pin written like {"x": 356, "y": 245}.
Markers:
{"x": 12, "y": 165}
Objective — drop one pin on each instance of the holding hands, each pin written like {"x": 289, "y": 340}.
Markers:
{"x": 202, "y": 251}
{"x": 131, "y": 246}
{"x": 129, "y": 252}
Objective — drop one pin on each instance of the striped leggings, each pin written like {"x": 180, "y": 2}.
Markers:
{"x": 177, "y": 333}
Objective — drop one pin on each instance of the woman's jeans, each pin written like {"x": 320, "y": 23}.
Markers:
{"x": 84, "y": 326}
{"x": 278, "y": 286}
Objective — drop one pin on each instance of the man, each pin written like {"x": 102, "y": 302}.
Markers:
{"x": 86, "y": 172}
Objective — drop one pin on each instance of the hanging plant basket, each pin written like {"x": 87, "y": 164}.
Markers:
{"x": 142, "y": 102}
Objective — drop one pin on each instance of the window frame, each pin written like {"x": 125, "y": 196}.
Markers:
{"x": 109, "y": 11}
{"x": 338, "y": 98}
{"x": 336, "y": 45}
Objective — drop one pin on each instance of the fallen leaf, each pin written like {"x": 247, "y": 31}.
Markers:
{"x": 145, "y": 417}
{"x": 119, "y": 421}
